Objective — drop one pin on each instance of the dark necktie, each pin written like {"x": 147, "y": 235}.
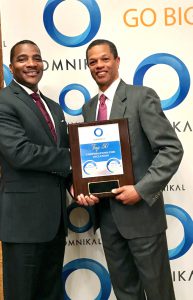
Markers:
{"x": 102, "y": 111}
{"x": 44, "y": 112}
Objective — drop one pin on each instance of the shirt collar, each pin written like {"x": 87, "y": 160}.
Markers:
{"x": 110, "y": 92}
{"x": 29, "y": 91}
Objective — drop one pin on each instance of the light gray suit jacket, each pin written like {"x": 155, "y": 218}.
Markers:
{"x": 156, "y": 155}
{"x": 33, "y": 168}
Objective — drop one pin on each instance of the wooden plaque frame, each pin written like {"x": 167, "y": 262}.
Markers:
{"x": 100, "y": 186}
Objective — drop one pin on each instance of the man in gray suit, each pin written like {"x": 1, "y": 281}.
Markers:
{"x": 35, "y": 164}
{"x": 133, "y": 222}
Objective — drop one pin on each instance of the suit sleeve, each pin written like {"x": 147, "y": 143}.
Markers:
{"x": 166, "y": 147}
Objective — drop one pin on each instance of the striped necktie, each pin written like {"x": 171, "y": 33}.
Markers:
{"x": 102, "y": 111}
{"x": 46, "y": 115}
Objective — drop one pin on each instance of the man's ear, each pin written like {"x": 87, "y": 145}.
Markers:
{"x": 11, "y": 68}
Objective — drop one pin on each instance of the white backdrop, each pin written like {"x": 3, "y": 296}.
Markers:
{"x": 154, "y": 41}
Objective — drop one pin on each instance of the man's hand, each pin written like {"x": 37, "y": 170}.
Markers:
{"x": 87, "y": 200}
{"x": 127, "y": 194}
{"x": 72, "y": 191}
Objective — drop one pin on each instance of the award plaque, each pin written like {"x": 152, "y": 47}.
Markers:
{"x": 100, "y": 156}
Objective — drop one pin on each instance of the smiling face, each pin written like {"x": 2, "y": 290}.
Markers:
{"x": 103, "y": 65}
{"x": 27, "y": 66}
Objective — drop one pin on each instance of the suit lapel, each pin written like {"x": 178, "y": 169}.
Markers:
{"x": 56, "y": 121}
{"x": 91, "y": 115}
{"x": 22, "y": 95}
{"x": 57, "y": 127}
{"x": 119, "y": 103}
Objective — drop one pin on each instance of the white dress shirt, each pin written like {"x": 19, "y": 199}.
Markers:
{"x": 109, "y": 93}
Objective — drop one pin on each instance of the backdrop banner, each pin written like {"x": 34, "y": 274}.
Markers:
{"x": 155, "y": 45}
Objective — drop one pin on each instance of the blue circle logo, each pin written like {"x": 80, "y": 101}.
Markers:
{"x": 94, "y": 266}
{"x": 79, "y": 40}
{"x": 7, "y": 75}
{"x": 98, "y": 132}
{"x": 187, "y": 224}
{"x": 74, "y": 228}
{"x": 177, "y": 65}
{"x": 68, "y": 88}
{"x": 114, "y": 165}
{"x": 90, "y": 167}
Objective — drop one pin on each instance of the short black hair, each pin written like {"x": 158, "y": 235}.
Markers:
{"x": 19, "y": 43}
{"x": 97, "y": 42}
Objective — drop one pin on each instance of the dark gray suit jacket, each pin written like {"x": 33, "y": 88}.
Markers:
{"x": 156, "y": 155}
{"x": 33, "y": 168}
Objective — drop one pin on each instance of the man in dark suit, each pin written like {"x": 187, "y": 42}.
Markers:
{"x": 34, "y": 165}
{"x": 133, "y": 222}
